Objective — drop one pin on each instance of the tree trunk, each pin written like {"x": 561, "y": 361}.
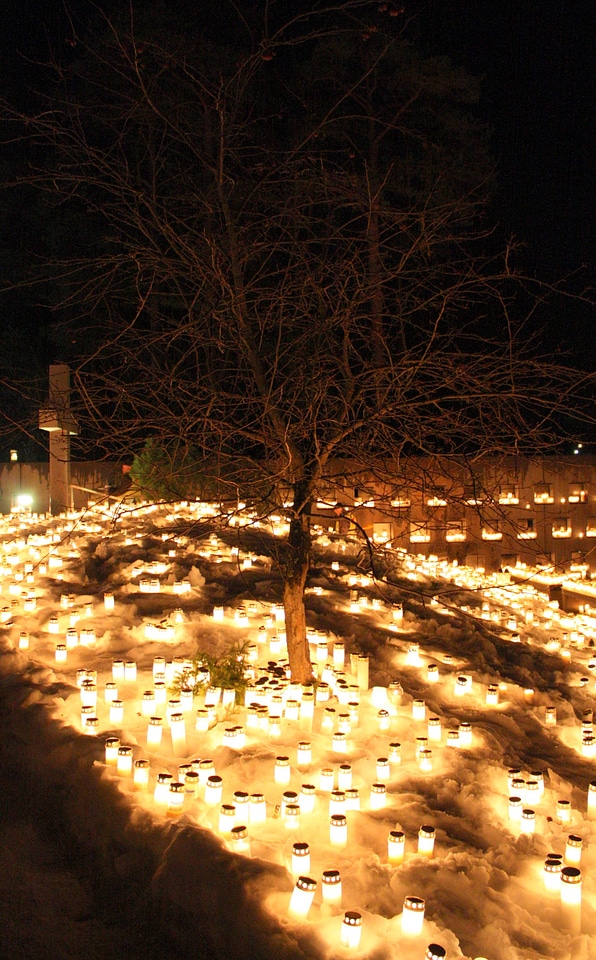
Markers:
{"x": 295, "y": 581}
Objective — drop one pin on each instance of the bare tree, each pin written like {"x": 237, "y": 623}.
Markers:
{"x": 282, "y": 270}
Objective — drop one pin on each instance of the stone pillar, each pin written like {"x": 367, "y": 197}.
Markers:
{"x": 57, "y": 419}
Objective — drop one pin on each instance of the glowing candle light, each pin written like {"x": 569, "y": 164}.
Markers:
{"x": 418, "y": 710}
{"x": 307, "y": 798}
{"x": 154, "y": 732}
{"x": 531, "y": 795}
{"x": 304, "y": 754}
{"x": 116, "y": 712}
{"x": 202, "y": 721}
{"x": 307, "y": 710}
{"x": 257, "y": 808}
{"x": 338, "y": 830}
{"x": 111, "y": 751}
{"x": 432, "y": 673}
{"x": 515, "y": 808}
{"x": 339, "y": 743}
{"x": 111, "y": 692}
{"x": 383, "y": 769}
{"x": 141, "y": 774}
{"x": 326, "y": 779}
{"x": 331, "y": 887}
{"x": 291, "y": 816}
{"x": 412, "y": 917}
{"x": 61, "y": 653}
{"x": 162, "y": 788}
{"x": 91, "y": 726}
{"x": 354, "y": 713}
{"x": 300, "y": 859}
{"x": 88, "y": 692}
{"x": 434, "y": 729}
{"x": 552, "y": 873}
{"x": 147, "y": 702}
{"x": 465, "y": 735}
{"x": 528, "y": 821}
{"x": 384, "y": 720}
{"x": 362, "y": 672}
{"x": 175, "y": 798}
{"x": 302, "y": 897}
{"x": 23, "y": 641}
{"x": 178, "y": 733}
{"x": 550, "y": 717}
{"x": 239, "y": 839}
{"x": 213, "y": 790}
{"x": 461, "y": 686}
{"x": 108, "y": 601}
{"x": 130, "y": 671}
{"x": 425, "y": 760}
{"x": 227, "y": 818}
{"x": 53, "y": 625}
{"x": 492, "y": 694}
{"x": 396, "y": 846}
{"x": 339, "y": 654}
{"x": 453, "y": 738}
{"x": 344, "y": 776}
{"x": 72, "y": 638}
{"x": 563, "y": 813}
{"x": 591, "y": 800}
{"x": 351, "y": 930}
{"x": 337, "y": 801}
{"x": 426, "y": 840}
{"x": 573, "y": 850}
{"x": 161, "y": 692}
{"x": 571, "y": 898}
{"x": 282, "y": 770}
{"x": 124, "y": 760}
{"x": 378, "y": 796}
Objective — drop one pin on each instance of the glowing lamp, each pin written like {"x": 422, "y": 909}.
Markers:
{"x": 141, "y": 774}
{"x": 23, "y": 641}
{"x": 178, "y": 733}
{"x": 61, "y": 653}
{"x": 154, "y": 732}
{"x": 205, "y": 769}
{"x": 162, "y": 788}
{"x": 227, "y": 817}
{"x": 108, "y": 601}
{"x": 118, "y": 670}
{"x": 465, "y": 735}
{"x": 425, "y": 760}
{"x": 282, "y": 771}
{"x": 492, "y": 695}
{"x": 147, "y": 702}
{"x": 426, "y": 840}
{"x": 130, "y": 671}
{"x": 383, "y": 769}
{"x": 378, "y": 796}
{"x": 515, "y": 808}
{"x": 239, "y": 839}
{"x": 591, "y": 801}
{"x": 337, "y": 801}
{"x": 111, "y": 751}
{"x": 326, "y": 779}
{"x": 434, "y": 729}
{"x": 573, "y": 850}
{"x": 307, "y": 798}
{"x": 396, "y": 846}
{"x": 302, "y": 897}
{"x": 300, "y": 859}
{"x": 339, "y": 743}
{"x": 527, "y": 822}
{"x": 563, "y": 813}
{"x": 552, "y": 874}
{"x": 331, "y": 887}
{"x": 291, "y": 816}
{"x": 432, "y": 673}
{"x": 202, "y": 721}
{"x": 213, "y": 790}
{"x": 338, "y": 830}
{"x": 116, "y": 712}
{"x": 571, "y": 898}
{"x": 124, "y": 760}
{"x": 257, "y": 808}
{"x": 418, "y": 710}
{"x": 175, "y": 798}
{"x": 304, "y": 754}
{"x": 412, "y": 917}
{"x": 344, "y": 776}
{"x": 435, "y": 951}
{"x": 351, "y": 930}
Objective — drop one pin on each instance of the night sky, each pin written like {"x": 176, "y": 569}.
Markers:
{"x": 537, "y": 64}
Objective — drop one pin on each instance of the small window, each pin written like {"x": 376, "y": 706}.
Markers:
{"x": 591, "y": 527}
{"x": 543, "y": 493}
{"x": 381, "y": 532}
{"x": 492, "y": 531}
{"x": 561, "y": 528}
{"x": 455, "y": 532}
{"x": 436, "y": 497}
{"x": 526, "y": 529}
{"x": 578, "y": 492}
{"x": 401, "y": 498}
{"x": 508, "y": 493}
{"x": 419, "y": 533}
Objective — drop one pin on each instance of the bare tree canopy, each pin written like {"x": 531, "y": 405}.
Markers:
{"x": 278, "y": 257}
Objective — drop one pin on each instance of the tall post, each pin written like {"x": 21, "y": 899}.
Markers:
{"x": 57, "y": 419}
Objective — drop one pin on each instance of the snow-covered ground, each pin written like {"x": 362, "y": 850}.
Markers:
{"x": 422, "y": 715}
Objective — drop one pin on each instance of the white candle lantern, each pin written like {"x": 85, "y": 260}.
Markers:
{"x": 300, "y": 859}
{"x": 72, "y": 638}
{"x": 351, "y": 930}
{"x": 383, "y": 769}
{"x": 418, "y": 710}
{"x": 130, "y": 671}
{"x": 116, "y": 712}
{"x": 282, "y": 770}
{"x": 528, "y": 821}
{"x": 563, "y": 813}
{"x": 191, "y": 784}
{"x": 326, "y": 779}
{"x": 23, "y": 640}
{"x": 344, "y": 776}
{"x": 396, "y": 846}
{"x": 124, "y": 760}
{"x": 465, "y": 735}
{"x": 118, "y": 670}
{"x": 141, "y": 774}
{"x": 218, "y": 613}
{"x": 573, "y": 850}
{"x": 202, "y": 721}
{"x": 108, "y": 601}
{"x": 147, "y": 702}
{"x": 154, "y": 732}
{"x": 339, "y": 654}
{"x": 61, "y": 653}
{"x": 257, "y": 808}
{"x": 239, "y": 839}
{"x": 175, "y": 798}
{"x": 432, "y": 673}
{"x": 337, "y": 801}
{"x": 227, "y": 818}
{"x": 552, "y": 873}
{"x": 571, "y": 898}
{"x": 111, "y": 751}
{"x": 384, "y": 720}
{"x": 492, "y": 695}
{"x": 162, "y": 788}
{"x": 291, "y": 816}
{"x": 161, "y": 692}
{"x": 178, "y": 733}
{"x": 425, "y": 760}
{"x": 307, "y": 798}
{"x": 110, "y": 692}
{"x": 550, "y": 717}
{"x": 435, "y": 951}
{"x": 88, "y": 692}
{"x": 515, "y": 808}
{"x": 378, "y": 796}
{"x": 331, "y": 887}
{"x": 412, "y": 918}
{"x": 591, "y": 800}
{"x": 426, "y": 840}
{"x": 338, "y": 830}
{"x": 302, "y": 897}
{"x": 304, "y": 754}
{"x": 91, "y": 726}
{"x": 339, "y": 743}
{"x": 213, "y": 790}
{"x": 434, "y": 729}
